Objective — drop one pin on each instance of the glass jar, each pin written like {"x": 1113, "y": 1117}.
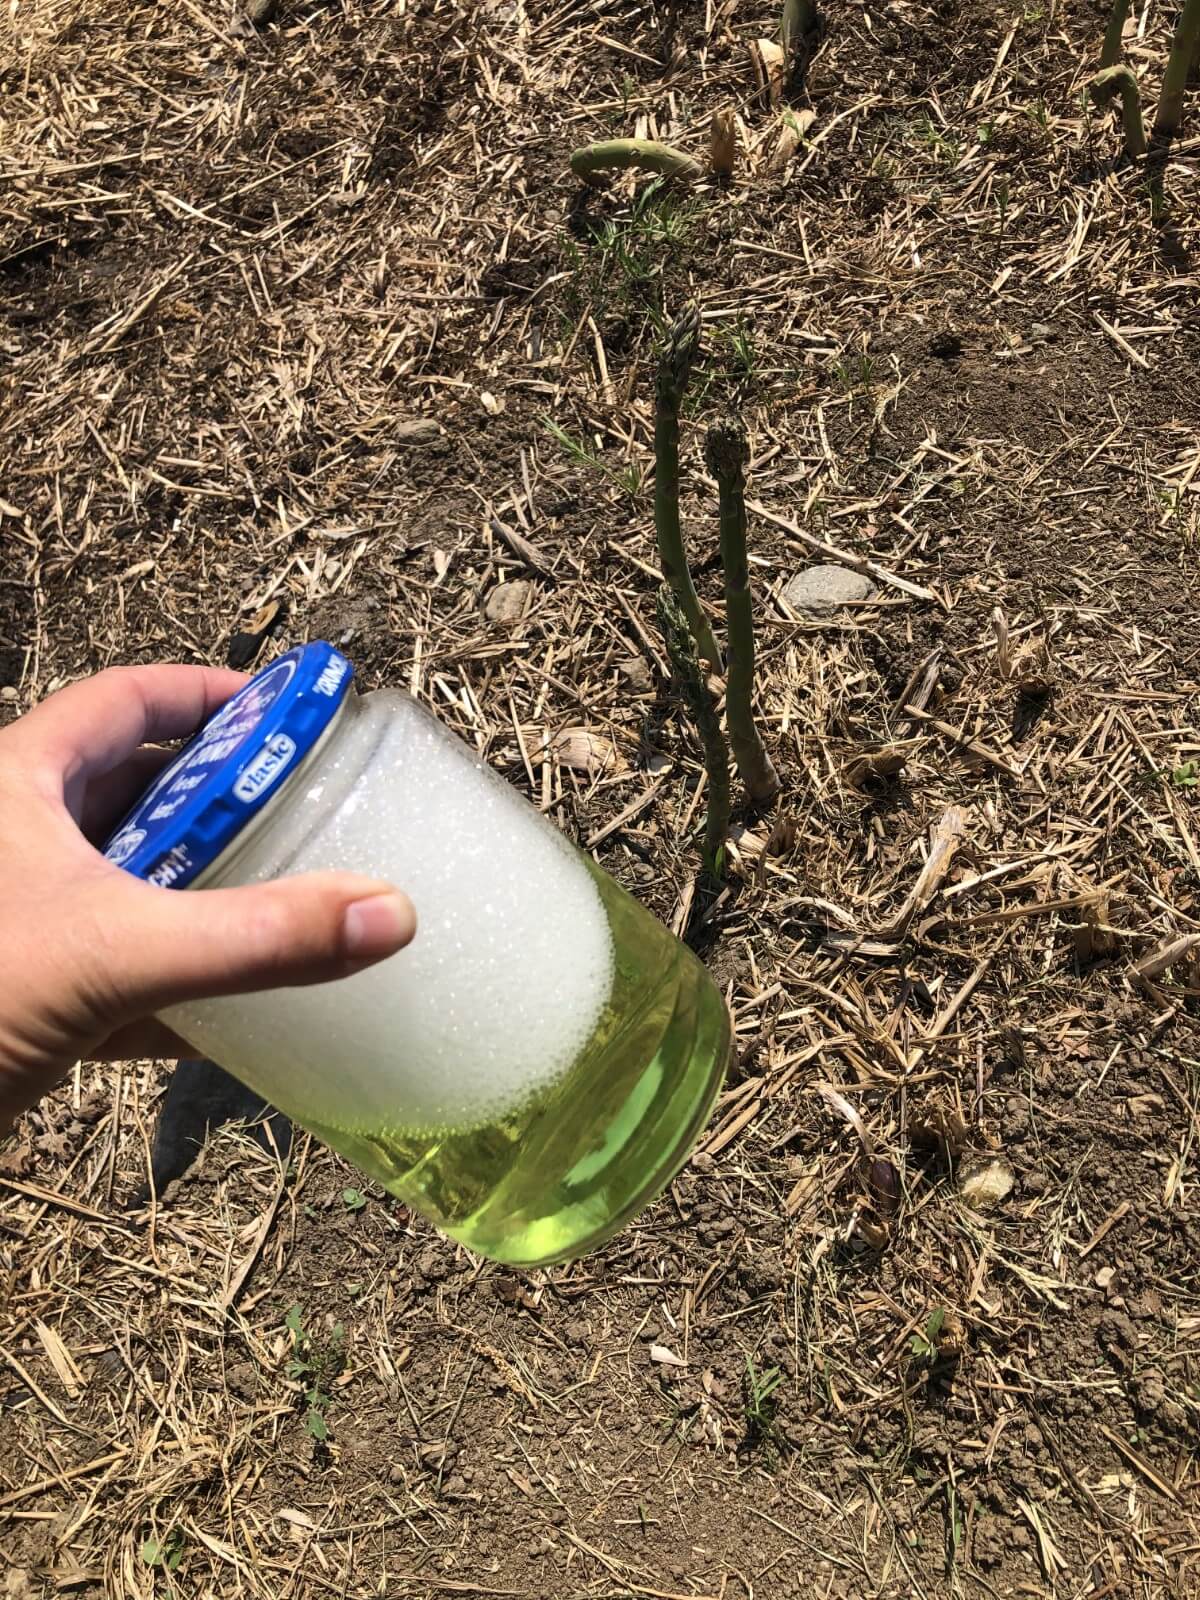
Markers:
{"x": 537, "y": 1064}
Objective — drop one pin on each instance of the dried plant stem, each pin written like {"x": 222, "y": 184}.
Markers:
{"x": 1111, "y": 50}
{"x": 1179, "y": 63}
{"x": 703, "y": 710}
{"x": 673, "y": 371}
{"x": 1120, "y": 80}
{"x": 645, "y": 154}
{"x": 727, "y": 453}
{"x": 722, "y": 142}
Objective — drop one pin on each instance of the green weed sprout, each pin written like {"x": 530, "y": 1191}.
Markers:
{"x": 1179, "y": 63}
{"x": 703, "y": 709}
{"x": 727, "y": 453}
{"x": 761, "y": 1405}
{"x": 315, "y": 1364}
{"x": 1120, "y": 80}
{"x": 673, "y": 371}
{"x": 647, "y": 155}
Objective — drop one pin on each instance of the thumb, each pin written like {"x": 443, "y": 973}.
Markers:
{"x": 163, "y": 946}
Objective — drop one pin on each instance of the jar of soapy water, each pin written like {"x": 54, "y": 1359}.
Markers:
{"x": 536, "y": 1065}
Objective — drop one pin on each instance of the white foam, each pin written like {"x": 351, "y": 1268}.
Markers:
{"x": 505, "y": 981}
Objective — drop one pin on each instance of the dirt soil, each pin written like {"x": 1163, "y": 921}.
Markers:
{"x": 292, "y": 312}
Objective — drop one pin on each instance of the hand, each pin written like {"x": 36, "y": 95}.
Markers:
{"x": 88, "y": 952}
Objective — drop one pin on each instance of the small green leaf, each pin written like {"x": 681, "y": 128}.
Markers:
{"x": 353, "y": 1199}
{"x": 293, "y": 1323}
{"x": 315, "y": 1423}
{"x": 151, "y": 1552}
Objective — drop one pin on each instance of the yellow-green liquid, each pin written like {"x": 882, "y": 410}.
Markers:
{"x": 566, "y": 1169}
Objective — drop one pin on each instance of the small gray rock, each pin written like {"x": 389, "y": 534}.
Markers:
{"x": 817, "y": 591}
{"x": 508, "y": 602}
{"x": 416, "y": 430}
{"x": 635, "y": 674}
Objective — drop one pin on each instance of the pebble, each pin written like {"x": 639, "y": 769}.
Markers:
{"x": 817, "y": 591}
{"x": 416, "y": 430}
{"x": 635, "y": 674}
{"x": 8, "y": 694}
{"x": 508, "y": 601}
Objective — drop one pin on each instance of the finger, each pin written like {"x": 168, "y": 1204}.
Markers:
{"x": 109, "y": 796}
{"x": 150, "y": 1040}
{"x": 162, "y": 946}
{"x": 91, "y": 726}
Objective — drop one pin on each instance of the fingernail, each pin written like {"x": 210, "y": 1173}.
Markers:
{"x": 374, "y": 928}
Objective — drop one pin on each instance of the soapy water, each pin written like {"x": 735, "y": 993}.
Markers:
{"x": 508, "y": 975}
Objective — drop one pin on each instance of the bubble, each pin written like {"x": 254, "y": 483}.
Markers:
{"x": 511, "y": 966}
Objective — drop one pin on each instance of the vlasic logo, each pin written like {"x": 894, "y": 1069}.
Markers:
{"x": 123, "y": 846}
{"x": 266, "y": 768}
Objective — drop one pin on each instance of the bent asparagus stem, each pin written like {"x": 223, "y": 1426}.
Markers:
{"x": 727, "y": 452}
{"x": 1111, "y": 51}
{"x": 1179, "y": 63}
{"x": 645, "y": 154}
{"x": 1120, "y": 80}
{"x": 703, "y": 710}
{"x": 673, "y": 371}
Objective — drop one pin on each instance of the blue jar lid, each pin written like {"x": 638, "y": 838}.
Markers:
{"x": 231, "y": 767}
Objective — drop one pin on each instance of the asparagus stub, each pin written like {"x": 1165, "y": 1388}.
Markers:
{"x": 1179, "y": 64}
{"x": 645, "y": 154}
{"x": 1111, "y": 51}
{"x": 797, "y": 21}
{"x": 727, "y": 452}
{"x": 673, "y": 371}
{"x": 702, "y": 707}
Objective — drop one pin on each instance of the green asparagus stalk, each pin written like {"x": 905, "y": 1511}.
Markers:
{"x": 673, "y": 371}
{"x": 797, "y": 21}
{"x": 1179, "y": 63}
{"x": 1120, "y": 80}
{"x": 727, "y": 452}
{"x": 703, "y": 709}
{"x": 1111, "y": 51}
{"x": 645, "y": 154}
